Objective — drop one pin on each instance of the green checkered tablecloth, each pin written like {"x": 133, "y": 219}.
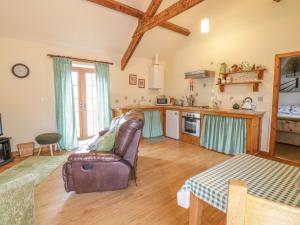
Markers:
{"x": 265, "y": 178}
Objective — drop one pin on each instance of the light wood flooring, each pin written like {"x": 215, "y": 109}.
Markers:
{"x": 289, "y": 152}
{"x": 163, "y": 166}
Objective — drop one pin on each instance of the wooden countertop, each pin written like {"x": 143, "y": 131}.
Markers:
{"x": 207, "y": 111}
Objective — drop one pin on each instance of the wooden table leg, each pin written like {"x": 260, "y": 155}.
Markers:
{"x": 196, "y": 208}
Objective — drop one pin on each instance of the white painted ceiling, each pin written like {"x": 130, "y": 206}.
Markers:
{"x": 83, "y": 24}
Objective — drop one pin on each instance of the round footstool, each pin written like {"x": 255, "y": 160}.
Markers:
{"x": 48, "y": 139}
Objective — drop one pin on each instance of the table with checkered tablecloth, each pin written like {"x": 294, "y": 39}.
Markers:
{"x": 266, "y": 179}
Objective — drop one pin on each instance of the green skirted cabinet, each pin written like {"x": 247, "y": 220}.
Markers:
{"x": 154, "y": 120}
{"x": 153, "y": 126}
{"x": 231, "y": 134}
{"x": 224, "y": 134}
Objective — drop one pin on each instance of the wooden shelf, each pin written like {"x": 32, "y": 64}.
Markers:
{"x": 255, "y": 85}
{"x": 259, "y": 72}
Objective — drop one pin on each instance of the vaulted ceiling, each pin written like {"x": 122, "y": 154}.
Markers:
{"x": 83, "y": 24}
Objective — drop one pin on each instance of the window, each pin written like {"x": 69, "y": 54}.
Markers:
{"x": 84, "y": 92}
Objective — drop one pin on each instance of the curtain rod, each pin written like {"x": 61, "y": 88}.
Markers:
{"x": 79, "y": 59}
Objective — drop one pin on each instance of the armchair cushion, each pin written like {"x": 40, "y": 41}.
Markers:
{"x": 114, "y": 126}
{"x": 104, "y": 143}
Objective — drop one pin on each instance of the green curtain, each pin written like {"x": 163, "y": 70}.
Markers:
{"x": 152, "y": 124}
{"x": 65, "y": 110}
{"x": 103, "y": 107}
{"x": 224, "y": 134}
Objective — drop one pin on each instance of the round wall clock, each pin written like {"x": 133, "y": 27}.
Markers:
{"x": 20, "y": 70}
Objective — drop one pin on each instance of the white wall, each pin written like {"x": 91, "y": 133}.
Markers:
{"x": 27, "y": 105}
{"x": 245, "y": 30}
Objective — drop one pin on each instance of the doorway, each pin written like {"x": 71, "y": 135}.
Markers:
{"x": 84, "y": 94}
{"x": 285, "y": 125}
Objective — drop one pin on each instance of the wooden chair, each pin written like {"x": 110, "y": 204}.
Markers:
{"x": 246, "y": 209}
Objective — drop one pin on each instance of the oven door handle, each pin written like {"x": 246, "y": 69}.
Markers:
{"x": 187, "y": 117}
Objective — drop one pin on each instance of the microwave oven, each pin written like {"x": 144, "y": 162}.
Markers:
{"x": 163, "y": 101}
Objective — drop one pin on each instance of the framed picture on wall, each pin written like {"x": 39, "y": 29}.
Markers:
{"x": 141, "y": 83}
{"x": 132, "y": 79}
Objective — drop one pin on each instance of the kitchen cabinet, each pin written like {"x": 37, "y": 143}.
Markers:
{"x": 119, "y": 111}
{"x": 153, "y": 126}
{"x": 253, "y": 122}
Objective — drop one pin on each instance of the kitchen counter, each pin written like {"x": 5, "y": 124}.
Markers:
{"x": 200, "y": 109}
{"x": 253, "y": 121}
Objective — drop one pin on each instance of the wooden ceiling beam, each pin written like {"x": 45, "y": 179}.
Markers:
{"x": 176, "y": 28}
{"x": 168, "y": 13}
{"x": 131, "y": 48}
{"x": 120, "y": 7}
{"x": 123, "y": 8}
{"x": 153, "y": 7}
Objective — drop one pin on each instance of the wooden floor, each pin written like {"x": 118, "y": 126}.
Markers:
{"x": 162, "y": 169}
{"x": 289, "y": 152}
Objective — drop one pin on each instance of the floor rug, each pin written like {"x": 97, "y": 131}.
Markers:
{"x": 39, "y": 166}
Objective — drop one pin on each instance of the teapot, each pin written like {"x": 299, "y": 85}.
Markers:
{"x": 248, "y": 104}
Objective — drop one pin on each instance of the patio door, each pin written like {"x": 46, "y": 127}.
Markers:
{"x": 84, "y": 89}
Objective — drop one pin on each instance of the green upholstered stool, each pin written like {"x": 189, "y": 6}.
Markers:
{"x": 49, "y": 139}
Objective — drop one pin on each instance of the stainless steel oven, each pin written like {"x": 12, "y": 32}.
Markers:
{"x": 191, "y": 123}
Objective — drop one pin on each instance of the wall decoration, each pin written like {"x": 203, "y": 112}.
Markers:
{"x": 141, "y": 83}
{"x": 20, "y": 70}
{"x": 132, "y": 79}
{"x": 290, "y": 74}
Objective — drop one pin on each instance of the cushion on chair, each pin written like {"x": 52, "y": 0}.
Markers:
{"x": 48, "y": 138}
{"x": 104, "y": 143}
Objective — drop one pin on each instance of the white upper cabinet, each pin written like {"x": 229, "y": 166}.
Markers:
{"x": 156, "y": 77}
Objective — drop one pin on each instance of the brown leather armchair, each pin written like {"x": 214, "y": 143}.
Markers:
{"x": 95, "y": 171}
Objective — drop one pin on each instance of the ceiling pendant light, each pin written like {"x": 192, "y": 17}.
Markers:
{"x": 204, "y": 25}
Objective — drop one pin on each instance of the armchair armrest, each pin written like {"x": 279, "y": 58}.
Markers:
{"x": 93, "y": 157}
{"x": 102, "y": 132}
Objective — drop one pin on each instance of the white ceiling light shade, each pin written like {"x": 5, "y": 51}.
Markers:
{"x": 204, "y": 25}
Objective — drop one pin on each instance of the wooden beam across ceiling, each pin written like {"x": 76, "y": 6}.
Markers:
{"x": 123, "y": 8}
{"x": 153, "y": 7}
{"x": 148, "y": 21}
{"x": 168, "y": 13}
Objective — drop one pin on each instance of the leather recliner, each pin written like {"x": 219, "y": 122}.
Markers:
{"x": 95, "y": 171}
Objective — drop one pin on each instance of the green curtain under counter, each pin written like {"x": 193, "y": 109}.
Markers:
{"x": 224, "y": 134}
{"x": 152, "y": 124}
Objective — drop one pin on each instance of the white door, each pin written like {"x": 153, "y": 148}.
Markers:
{"x": 172, "y": 124}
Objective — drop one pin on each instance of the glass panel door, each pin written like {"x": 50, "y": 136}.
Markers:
{"x": 75, "y": 82}
{"x": 84, "y": 88}
{"x": 90, "y": 82}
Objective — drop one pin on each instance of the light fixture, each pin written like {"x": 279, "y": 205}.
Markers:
{"x": 204, "y": 25}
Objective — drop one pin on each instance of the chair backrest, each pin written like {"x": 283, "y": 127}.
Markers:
{"x": 129, "y": 134}
{"x": 246, "y": 209}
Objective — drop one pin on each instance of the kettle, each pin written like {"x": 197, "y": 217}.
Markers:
{"x": 248, "y": 104}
